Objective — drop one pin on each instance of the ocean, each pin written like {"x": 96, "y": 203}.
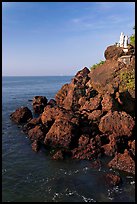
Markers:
{"x": 28, "y": 176}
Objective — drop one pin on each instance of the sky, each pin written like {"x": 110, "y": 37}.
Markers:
{"x": 60, "y": 38}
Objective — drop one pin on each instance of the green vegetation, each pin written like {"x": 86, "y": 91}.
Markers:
{"x": 132, "y": 38}
{"x": 97, "y": 64}
{"x": 128, "y": 80}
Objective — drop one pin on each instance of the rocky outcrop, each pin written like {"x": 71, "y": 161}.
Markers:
{"x": 21, "y": 115}
{"x": 35, "y": 146}
{"x": 123, "y": 162}
{"x": 92, "y": 116}
{"x": 58, "y": 155}
{"x": 70, "y": 94}
{"x": 113, "y": 52}
{"x": 62, "y": 133}
{"x": 113, "y": 179}
{"x": 116, "y": 122}
{"x": 38, "y": 103}
{"x": 37, "y": 133}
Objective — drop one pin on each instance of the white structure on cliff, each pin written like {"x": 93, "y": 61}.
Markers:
{"x": 123, "y": 42}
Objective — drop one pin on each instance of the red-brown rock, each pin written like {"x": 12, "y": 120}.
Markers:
{"x": 37, "y": 133}
{"x": 83, "y": 140}
{"x": 113, "y": 179}
{"x": 58, "y": 155}
{"x": 95, "y": 115}
{"x": 69, "y": 95}
{"x": 35, "y": 145}
{"x": 31, "y": 124}
{"x": 92, "y": 104}
{"x": 116, "y": 122}
{"x": 108, "y": 103}
{"x": 52, "y": 103}
{"x": 61, "y": 134}
{"x": 113, "y": 52}
{"x": 21, "y": 115}
{"x": 131, "y": 145}
{"x": 123, "y": 162}
{"x": 38, "y": 103}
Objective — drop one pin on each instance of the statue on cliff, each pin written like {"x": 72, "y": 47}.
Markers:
{"x": 121, "y": 41}
{"x": 126, "y": 42}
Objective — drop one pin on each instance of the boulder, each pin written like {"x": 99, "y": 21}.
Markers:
{"x": 38, "y": 103}
{"x": 119, "y": 123}
{"x": 113, "y": 179}
{"x": 21, "y": 115}
{"x": 58, "y": 155}
{"x": 108, "y": 103}
{"x": 37, "y": 133}
{"x": 52, "y": 103}
{"x": 103, "y": 78}
{"x": 113, "y": 52}
{"x": 31, "y": 124}
{"x": 50, "y": 114}
{"x": 35, "y": 146}
{"x": 92, "y": 104}
{"x": 83, "y": 140}
{"x": 95, "y": 115}
{"x": 87, "y": 152}
{"x": 131, "y": 145}
{"x": 69, "y": 95}
{"x": 123, "y": 162}
{"x": 63, "y": 133}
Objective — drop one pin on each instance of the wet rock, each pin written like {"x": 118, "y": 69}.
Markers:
{"x": 58, "y": 155}
{"x": 35, "y": 146}
{"x": 116, "y": 122}
{"x": 31, "y": 124}
{"x": 131, "y": 145}
{"x": 123, "y": 162}
{"x": 113, "y": 179}
{"x": 86, "y": 152}
{"x": 96, "y": 164}
{"x": 37, "y": 133}
{"x": 38, "y": 103}
{"x": 21, "y": 115}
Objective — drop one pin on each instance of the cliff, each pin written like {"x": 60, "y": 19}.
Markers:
{"x": 92, "y": 116}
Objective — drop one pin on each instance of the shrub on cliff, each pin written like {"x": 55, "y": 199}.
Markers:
{"x": 132, "y": 38}
{"x": 97, "y": 64}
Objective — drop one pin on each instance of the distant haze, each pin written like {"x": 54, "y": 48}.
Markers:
{"x": 60, "y": 38}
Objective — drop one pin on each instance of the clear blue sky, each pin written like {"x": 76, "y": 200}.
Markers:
{"x": 60, "y": 38}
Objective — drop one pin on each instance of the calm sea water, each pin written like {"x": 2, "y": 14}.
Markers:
{"x": 28, "y": 176}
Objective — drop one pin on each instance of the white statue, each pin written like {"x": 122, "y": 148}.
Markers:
{"x": 126, "y": 42}
{"x": 121, "y": 41}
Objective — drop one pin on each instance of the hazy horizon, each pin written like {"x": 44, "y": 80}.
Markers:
{"x": 60, "y": 38}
